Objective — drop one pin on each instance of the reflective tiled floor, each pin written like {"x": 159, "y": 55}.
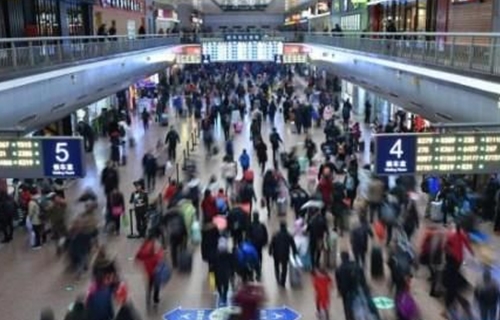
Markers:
{"x": 31, "y": 280}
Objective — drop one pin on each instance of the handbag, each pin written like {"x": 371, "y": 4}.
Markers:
{"x": 117, "y": 211}
{"x": 163, "y": 273}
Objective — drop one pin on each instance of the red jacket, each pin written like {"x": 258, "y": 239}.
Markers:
{"x": 322, "y": 286}
{"x": 325, "y": 187}
{"x": 456, "y": 243}
{"x": 249, "y": 298}
{"x": 170, "y": 192}
{"x": 209, "y": 207}
{"x": 149, "y": 256}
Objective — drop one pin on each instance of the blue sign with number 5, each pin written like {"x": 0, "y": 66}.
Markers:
{"x": 395, "y": 154}
{"x": 63, "y": 158}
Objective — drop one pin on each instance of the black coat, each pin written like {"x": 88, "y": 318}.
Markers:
{"x": 223, "y": 267}
{"x": 209, "y": 241}
{"x": 282, "y": 245}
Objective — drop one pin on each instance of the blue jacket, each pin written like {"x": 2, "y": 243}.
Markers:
{"x": 244, "y": 160}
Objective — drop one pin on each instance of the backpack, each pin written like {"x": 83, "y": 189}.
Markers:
{"x": 247, "y": 255}
{"x": 388, "y": 213}
{"x": 406, "y": 306}
{"x": 162, "y": 274}
{"x": 221, "y": 205}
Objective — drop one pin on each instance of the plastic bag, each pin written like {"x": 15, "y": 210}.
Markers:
{"x": 196, "y": 232}
{"x": 125, "y": 221}
{"x": 211, "y": 281}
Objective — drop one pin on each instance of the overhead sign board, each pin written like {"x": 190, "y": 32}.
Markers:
{"x": 400, "y": 154}
{"x": 54, "y": 157}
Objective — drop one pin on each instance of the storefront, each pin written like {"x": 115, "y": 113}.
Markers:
{"x": 408, "y": 16}
{"x": 128, "y": 15}
{"x": 166, "y": 21}
{"x": 43, "y": 18}
{"x": 350, "y": 15}
{"x": 92, "y": 113}
{"x": 471, "y": 16}
{"x": 312, "y": 17}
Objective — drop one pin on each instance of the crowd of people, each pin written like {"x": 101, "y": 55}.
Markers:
{"x": 316, "y": 181}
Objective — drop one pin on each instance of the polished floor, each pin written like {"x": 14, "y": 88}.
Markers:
{"x": 31, "y": 280}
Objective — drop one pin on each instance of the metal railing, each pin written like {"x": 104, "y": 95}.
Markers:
{"x": 477, "y": 52}
{"x": 28, "y": 53}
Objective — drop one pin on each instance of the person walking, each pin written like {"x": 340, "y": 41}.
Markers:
{"x": 275, "y": 140}
{"x": 244, "y": 160}
{"x": 150, "y": 167}
{"x": 487, "y": 296}
{"x": 172, "y": 140}
{"x": 350, "y": 281}
{"x": 223, "y": 267}
{"x": 116, "y": 209}
{"x": 282, "y": 244}
{"x": 150, "y": 255}
{"x": 258, "y": 236}
{"x": 261, "y": 150}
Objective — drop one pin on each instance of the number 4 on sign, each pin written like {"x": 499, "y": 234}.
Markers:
{"x": 397, "y": 149}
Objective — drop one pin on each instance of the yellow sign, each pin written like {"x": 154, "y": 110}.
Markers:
{"x": 188, "y": 59}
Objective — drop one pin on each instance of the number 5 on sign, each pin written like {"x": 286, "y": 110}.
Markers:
{"x": 62, "y": 153}
{"x": 397, "y": 149}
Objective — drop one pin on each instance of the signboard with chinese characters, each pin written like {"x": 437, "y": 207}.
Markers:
{"x": 295, "y": 53}
{"x": 54, "y": 157}
{"x": 243, "y": 37}
{"x": 189, "y": 54}
{"x": 242, "y": 50}
{"x": 477, "y": 152}
{"x": 187, "y": 59}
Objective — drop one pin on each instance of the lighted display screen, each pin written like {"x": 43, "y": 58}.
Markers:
{"x": 41, "y": 157}
{"x": 219, "y": 51}
{"x": 438, "y": 153}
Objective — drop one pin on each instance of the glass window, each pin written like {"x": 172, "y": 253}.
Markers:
{"x": 46, "y": 16}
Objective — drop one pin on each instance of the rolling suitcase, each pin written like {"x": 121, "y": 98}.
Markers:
{"x": 164, "y": 120}
{"x": 376, "y": 263}
{"x": 185, "y": 263}
{"x": 295, "y": 273}
{"x": 331, "y": 250}
{"x": 281, "y": 206}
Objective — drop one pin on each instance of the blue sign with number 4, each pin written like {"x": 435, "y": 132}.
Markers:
{"x": 63, "y": 158}
{"x": 395, "y": 154}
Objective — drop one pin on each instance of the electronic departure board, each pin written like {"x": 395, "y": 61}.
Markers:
{"x": 220, "y": 51}
{"x": 55, "y": 157}
{"x": 398, "y": 154}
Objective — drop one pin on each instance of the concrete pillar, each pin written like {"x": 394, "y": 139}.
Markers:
{"x": 184, "y": 11}
{"x": 63, "y": 18}
{"x": 366, "y": 136}
{"x": 361, "y": 104}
